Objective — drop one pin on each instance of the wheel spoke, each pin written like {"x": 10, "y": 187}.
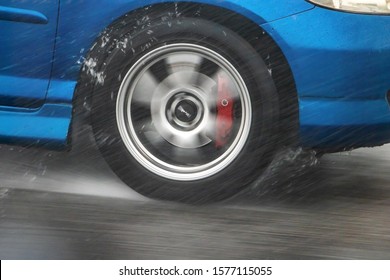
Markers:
{"x": 183, "y": 79}
{"x": 210, "y": 127}
{"x": 189, "y": 156}
{"x": 210, "y": 84}
{"x": 140, "y": 112}
{"x": 145, "y": 88}
{"x": 184, "y": 62}
{"x": 154, "y": 137}
{"x": 188, "y": 141}
{"x": 160, "y": 70}
{"x": 183, "y": 141}
{"x": 146, "y": 126}
{"x": 208, "y": 68}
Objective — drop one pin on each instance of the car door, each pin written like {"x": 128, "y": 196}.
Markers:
{"x": 27, "y": 40}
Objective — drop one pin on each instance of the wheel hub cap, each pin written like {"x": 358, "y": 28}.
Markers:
{"x": 186, "y": 111}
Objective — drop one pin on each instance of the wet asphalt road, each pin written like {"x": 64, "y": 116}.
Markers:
{"x": 57, "y": 205}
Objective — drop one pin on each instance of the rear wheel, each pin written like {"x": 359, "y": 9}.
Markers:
{"x": 187, "y": 114}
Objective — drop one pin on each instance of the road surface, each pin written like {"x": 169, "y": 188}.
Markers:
{"x": 57, "y": 205}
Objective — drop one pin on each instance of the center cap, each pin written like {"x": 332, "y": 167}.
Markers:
{"x": 186, "y": 111}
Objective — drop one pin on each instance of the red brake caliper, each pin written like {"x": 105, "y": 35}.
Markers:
{"x": 224, "y": 120}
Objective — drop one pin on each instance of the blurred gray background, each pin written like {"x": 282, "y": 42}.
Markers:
{"x": 69, "y": 205}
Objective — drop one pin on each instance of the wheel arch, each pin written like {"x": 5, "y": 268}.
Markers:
{"x": 252, "y": 32}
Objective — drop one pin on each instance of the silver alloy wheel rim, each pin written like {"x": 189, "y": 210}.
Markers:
{"x": 137, "y": 80}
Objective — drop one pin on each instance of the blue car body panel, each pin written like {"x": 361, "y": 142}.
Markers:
{"x": 47, "y": 126}
{"x": 27, "y": 40}
{"x": 81, "y": 23}
{"x": 340, "y": 63}
{"x": 341, "y": 67}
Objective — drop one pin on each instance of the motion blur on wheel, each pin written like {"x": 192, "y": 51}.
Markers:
{"x": 193, "y": 112}
{"x": 190, "y": 101}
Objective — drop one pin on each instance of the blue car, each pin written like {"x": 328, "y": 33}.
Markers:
{"x": 190, "y": 100}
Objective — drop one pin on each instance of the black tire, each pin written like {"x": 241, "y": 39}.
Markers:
{"x": 127, "y": 45}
